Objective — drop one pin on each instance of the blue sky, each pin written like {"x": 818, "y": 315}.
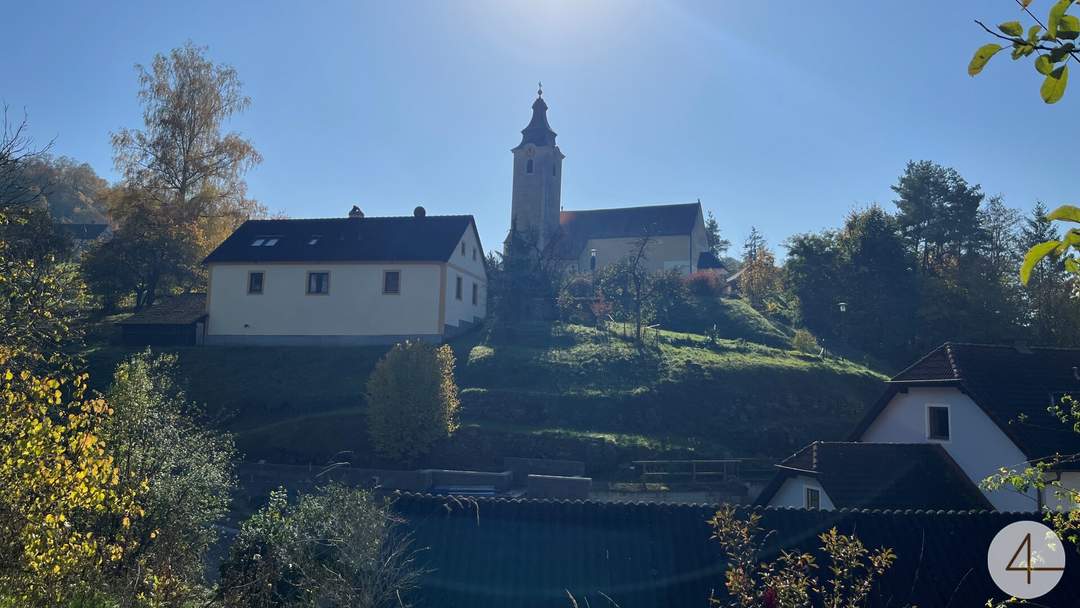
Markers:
{"x": 783, "y": 115}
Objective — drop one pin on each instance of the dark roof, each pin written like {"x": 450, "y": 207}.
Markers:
{"x": 882, "y": 476}
{"x": 370, "y": 239}
{"x": 578, "y": 227}
{"x": 84, "y": 232}
{"x": 538, "y": 132}
{"x": 1013, "y": 385}
{"x": 182, "y": 309}
{"x": 707, "y": 260}
{"x": 507, "y": 553}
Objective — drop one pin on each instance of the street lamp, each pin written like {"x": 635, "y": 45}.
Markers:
{"x": 843, "y": 307}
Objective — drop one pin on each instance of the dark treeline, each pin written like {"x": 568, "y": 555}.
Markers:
{"x": 942, "y": 266}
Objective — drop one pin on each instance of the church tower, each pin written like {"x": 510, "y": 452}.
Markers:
{"x": 537, "y": 192}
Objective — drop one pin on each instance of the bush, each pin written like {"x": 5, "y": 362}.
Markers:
{"x": 337, "y": 547}
{"x": 575, "y": 300}
{"x": 805, "y": 341}
{"x": 412, "y": 400}
{"x": 182, "y": 474}
{"x": 704, "y": 284}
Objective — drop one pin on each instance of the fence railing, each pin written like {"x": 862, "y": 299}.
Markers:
{"x": 702, "y": 471}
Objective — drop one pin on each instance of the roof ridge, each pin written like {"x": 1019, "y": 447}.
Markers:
{"x": 649, "y": 206}
{"x": 952, "y": 361}
{"x": 370, "y": 217}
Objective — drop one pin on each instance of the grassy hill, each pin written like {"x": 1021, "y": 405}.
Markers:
{"x": 554, "y": 391}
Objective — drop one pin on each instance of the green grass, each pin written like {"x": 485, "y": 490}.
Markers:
{"x": 549, "y": 391}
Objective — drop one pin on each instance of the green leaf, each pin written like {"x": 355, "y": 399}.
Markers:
{"x": 1044, "y": 65}
{"x": 978, "y": 62}
{"x": 1069, "y": 27}
{"x": 1033, "y": 257}
{"x": 1065, "y": 213}
{"x": 1056, "y": 13}
{"x": 1072, "y": 265}
{"x": 1053, "y": 88}
{"x": 1033, "y": 33}
{"x": 1011, "y": 28}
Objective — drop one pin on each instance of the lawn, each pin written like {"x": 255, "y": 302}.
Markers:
{"x": 559, "y": 391}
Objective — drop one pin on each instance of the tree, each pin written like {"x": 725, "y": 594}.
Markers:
{"x": 937, "y": 214}
{"x": 337, "y": 547}
{"x": 717, "y": 244}
{"x": 760, "y": 279}
{"x": 148, "y": 254}
{"x": 792, "y": 580}
{"x": 1052, "y": 313}
{"x": 71, "y": 190}
{"x": 57, "y": 481}
{"x": 412, "y": 400}
{"x": 180, "y": 470}
{"x": 1052, "y": 40}
{"x": 40, "y": 293}
{"x": 627, "y": 285}
{"x": 181, "y": 166}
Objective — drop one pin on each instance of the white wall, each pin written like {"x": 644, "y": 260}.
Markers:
{"x": 976, "y": 443}
{"x": 471, "y": 269}
{"x": 1070, "y": 480}
{"x": 355, "y": 306}
{"x": 792, "y": 493}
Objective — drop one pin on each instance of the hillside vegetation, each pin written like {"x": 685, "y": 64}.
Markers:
{"x": 548, "y": 391}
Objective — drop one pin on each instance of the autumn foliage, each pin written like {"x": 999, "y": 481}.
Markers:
{"x": 412, "y": 400}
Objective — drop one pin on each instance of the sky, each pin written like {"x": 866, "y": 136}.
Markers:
{"x": 776, "y": 114}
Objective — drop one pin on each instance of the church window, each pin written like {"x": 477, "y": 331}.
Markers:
{"x": 554, "y": 171}
{"x": 529, "y": 166}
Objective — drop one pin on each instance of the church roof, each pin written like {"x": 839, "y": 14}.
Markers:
{"x": 624, "y": 222}
{"x": 369, "y": 239}
{"x": 538, "y": 132}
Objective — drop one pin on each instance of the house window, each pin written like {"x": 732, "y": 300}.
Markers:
{"x": 318, "y": 283}
{"x": 462, "y": 247}
{"x": 475, "y": 294}
{"x": 457, "y": 288}
{"x": 937, "y": 422}
{"x": 255, "y": 282}
{"x": 553, "y": 173}
{"x": 813, "y": 499}
{"x": 474, "y": 254}
{"x": 529, "y": 166}
{"x": 391, "y": 282}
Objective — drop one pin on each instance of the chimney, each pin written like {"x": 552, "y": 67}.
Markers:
{"x": 355, "y": 213}
{"x": 419, "y": 212}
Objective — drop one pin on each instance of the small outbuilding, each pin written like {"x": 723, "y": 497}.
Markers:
{"x": 171, "y": 321}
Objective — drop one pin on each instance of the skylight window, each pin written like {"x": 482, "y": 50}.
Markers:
{"x": 257, "y": 242}
{"x": 270, "y": 242}
{"x": 314, "y": 239}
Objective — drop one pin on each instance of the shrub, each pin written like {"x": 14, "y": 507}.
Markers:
{"x": 669, "y": 300}
{"x": 337, "y": 547}
{"x": 412, "y": 400}
{"x": 182, "y": 473}
{"x": 805, "y": 341}
{"x": 704, "y": 284}
{"x": 575, "y": 299}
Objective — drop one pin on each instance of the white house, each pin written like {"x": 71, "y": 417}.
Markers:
{"x": 986, "y": 406}
{"x": 354, "y": 280}
{"x": 847, "y": 475}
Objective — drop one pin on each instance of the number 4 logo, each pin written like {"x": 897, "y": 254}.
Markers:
{"x": 1031, "y": 548}
{"x": 1027, "y": 562}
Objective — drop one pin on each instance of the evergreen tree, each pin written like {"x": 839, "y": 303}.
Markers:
{"x": 717, "y": 244}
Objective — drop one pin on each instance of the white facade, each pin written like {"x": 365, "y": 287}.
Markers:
{"x": 975, "y": 441}
{"x": 355, "y": 309}
{"x": 793, "y": 493}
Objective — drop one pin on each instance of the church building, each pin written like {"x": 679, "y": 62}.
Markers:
{"x": 591, "y": 239}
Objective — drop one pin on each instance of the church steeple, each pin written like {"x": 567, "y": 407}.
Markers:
{"x": 538, "y": 132}
{"x": 537, "y": 195}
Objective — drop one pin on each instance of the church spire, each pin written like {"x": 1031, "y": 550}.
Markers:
{"x": 538, "y": 132}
